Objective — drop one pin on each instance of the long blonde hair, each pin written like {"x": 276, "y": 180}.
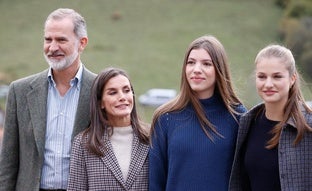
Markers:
{"x": 295, "y": 98}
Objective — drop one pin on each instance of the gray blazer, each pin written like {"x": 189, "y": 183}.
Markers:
{"x": 21, "y": 157}
{"x": 295, "y": 162}
{"x": 91, "y": 172}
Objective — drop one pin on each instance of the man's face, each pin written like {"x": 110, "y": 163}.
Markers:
{"x": 61, "y": 45}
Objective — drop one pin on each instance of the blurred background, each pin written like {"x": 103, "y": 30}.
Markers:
{"x": 149, "y": 38}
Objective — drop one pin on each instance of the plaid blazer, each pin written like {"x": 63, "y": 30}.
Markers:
{"x": 295, "y": 162}
{"x": 91, "y": 172}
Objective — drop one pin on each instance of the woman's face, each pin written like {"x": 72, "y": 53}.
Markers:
{"x": 200, "y": 73}
{"x": 273, "y": 80}
{"x": 117, "y": 100}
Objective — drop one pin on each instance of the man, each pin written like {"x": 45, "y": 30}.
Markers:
{"x": 46, "y": 110}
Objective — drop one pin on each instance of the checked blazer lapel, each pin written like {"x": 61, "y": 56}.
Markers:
{"x": 111, "y": 162}
{"x": 138, "y": 158}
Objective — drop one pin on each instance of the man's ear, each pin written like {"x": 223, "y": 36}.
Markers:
{"x": 83, "y": 43}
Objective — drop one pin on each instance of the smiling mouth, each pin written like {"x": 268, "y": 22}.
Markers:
{"x": 122, "y": 106}
{"x": 269, "y": 92}
{"x": 55, "y": 58}
{"x": 55, "y": 54}
{"x": 197, "y": 79}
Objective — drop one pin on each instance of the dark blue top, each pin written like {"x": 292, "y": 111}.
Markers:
{"x": 261, "y": 164}
{"x": 182, "y": 157}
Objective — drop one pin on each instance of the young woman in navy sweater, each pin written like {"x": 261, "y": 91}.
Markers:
{"x": 193, "y": 136}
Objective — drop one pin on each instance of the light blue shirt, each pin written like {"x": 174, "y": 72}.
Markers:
{"x": 61, "y": 112}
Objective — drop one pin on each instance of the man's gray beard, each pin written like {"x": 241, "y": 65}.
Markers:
{"x": 62, "y": 64}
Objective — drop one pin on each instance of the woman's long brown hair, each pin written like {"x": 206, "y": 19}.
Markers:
{"x": 99, "y": 121}
{"x": 186, "y": 95}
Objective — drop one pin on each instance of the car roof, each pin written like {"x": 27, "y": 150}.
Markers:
{"x": 162, "y": 91}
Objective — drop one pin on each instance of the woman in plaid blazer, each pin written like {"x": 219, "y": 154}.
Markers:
{"x": 112, "y": 153}
{"x": 274, "y": 143}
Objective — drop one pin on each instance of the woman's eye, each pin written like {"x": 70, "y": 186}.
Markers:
{"x": 111, "y": 93}
{"x": 207, "y": 64}
{"x": 190, "y": 62}
{"x": 278, "y": 76}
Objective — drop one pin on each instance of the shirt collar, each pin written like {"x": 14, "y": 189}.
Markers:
{"x": 75, "y": 81}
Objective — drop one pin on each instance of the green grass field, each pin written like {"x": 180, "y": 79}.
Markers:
{"x": 146, "y": 38}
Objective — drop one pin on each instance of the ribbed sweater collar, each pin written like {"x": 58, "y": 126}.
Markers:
{"x": 215, "y": 99}
{"x": 212, "y": 103}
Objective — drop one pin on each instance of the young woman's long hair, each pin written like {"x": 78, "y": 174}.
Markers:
{"x": 223, "y": 85}
{"x": 99, "y": 121}
{"x": 295, "y": 99}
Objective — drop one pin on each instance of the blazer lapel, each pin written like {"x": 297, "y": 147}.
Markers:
{"x": 138, "y": 158}
{"x": 111, "y": 162}
{"x": 82, "y": 118}
{"x": 37, "y": 104}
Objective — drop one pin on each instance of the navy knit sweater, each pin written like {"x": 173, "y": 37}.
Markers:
{"x": 182, "y": 157}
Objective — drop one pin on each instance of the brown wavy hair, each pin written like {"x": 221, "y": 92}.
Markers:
{"x": 99, "y": 121}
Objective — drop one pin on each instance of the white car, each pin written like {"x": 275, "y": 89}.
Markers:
{"x": 156, "y": 97}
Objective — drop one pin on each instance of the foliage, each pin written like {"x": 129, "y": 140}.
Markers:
{"x": 299, "y": 8}
{"x": 296, "y": 31}
{"x": 305, "y": 60}
{"x": 282, "y": 3}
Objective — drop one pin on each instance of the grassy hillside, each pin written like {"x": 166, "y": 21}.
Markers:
{"x": 146, "y": 38}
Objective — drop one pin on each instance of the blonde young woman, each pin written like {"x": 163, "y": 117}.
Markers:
{"x": 274, "y": 146}
{"x": 193, "y": 136}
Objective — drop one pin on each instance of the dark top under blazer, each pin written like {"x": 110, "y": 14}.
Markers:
{"x": 295, "y": 162}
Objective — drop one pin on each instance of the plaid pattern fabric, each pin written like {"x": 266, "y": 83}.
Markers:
{"x": 90, "y": 172}
{"x": 295, "y": 162}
